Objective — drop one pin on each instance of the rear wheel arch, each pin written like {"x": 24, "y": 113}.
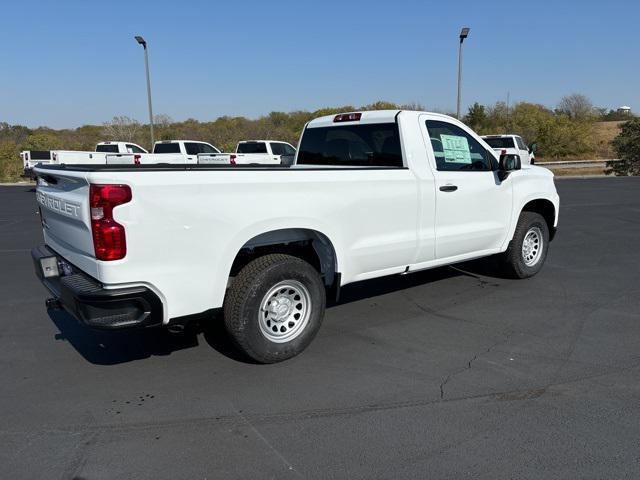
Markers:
{"x": 310, "y": 245}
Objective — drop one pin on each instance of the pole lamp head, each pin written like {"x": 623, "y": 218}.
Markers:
{"x": 464, "y": 33}
{"x": 141, "y": 41}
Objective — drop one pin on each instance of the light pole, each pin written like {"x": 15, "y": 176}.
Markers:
{"x": 142, "y": 42}
{"x": 464, "y": 33}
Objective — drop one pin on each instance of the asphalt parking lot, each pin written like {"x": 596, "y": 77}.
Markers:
{"x": 450, "y": 373}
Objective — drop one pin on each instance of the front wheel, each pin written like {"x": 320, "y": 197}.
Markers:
{"x": 274, "y": 307}
{"x": 528, "y": 248}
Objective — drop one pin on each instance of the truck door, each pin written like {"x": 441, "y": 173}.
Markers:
{"x": 523, "y": 151}
{"x": 473, "y": 208}
{"x": 277, "y": 150}
{"x": 192, "y": 150}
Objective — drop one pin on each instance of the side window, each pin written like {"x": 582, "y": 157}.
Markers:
{"x": 288, "y": 149}
{"x": 204, "y": 148}
{"x": 192, "y": 148}
{"x": 277, "y": 148}
{"x": 520, "y": 143}
{"x": 134, "y": 149}
{"x": 456, "y": 150}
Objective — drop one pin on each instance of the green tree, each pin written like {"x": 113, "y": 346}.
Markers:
{"x": 627, "y": 146}
{"x": 42, "y": 141}
{"x": 528, "y": 120}
{"x": 476, "y": 117}
{"x": 10, "y": 163}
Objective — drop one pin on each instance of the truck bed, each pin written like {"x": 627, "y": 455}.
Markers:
{"x": 203, "y": 167}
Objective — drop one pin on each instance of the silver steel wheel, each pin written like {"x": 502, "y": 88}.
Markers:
{"x": 532, "y": 246}
{"x": 284, "y": 311}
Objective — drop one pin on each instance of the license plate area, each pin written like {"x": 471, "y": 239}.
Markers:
{"x": 53, "y": 266}
{"x": 49, "y": 267}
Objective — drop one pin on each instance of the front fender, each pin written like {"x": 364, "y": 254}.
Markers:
{"x": 532, "y": 183}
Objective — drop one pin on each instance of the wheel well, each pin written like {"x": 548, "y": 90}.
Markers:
{"x": 309, "y": 245}
{"x": 546, "y": 209}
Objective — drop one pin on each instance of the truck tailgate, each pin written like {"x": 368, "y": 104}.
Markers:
{"x": 215, "y": 158}
{"x": 64, "y": 209}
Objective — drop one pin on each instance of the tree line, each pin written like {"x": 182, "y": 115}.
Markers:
{"x": 566, "y": 131}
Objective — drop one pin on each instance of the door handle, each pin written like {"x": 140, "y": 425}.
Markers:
{"x": 448, "y": 188}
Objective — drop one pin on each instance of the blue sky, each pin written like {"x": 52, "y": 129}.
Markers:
{"x": 68, "y": 63}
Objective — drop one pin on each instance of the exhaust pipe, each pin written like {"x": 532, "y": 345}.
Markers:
{"x": 176, "y": 328}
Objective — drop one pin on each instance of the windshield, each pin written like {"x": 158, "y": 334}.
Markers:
{"x": 40, "y": 155}
{"x": 369, "y": 145}
{"x": 500, "y": 142}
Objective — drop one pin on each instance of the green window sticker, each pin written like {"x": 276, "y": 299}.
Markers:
{"x": 456, "y": 149}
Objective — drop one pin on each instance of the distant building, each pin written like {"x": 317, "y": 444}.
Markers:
{"x": 624, "y": 110}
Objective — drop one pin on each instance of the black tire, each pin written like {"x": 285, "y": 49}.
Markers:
{"x": 242, "y": 306}
{"x": 513, "y": 259}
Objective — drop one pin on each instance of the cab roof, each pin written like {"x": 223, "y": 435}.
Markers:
{"x": 367, "y": 116}
{"x": 178, "y": 141}
{"x": 373, "y": 116}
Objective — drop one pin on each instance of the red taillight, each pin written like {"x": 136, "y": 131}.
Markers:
{"x": 136, "y": 159}
{"x": 232, "y": 159}
{"x": 109, "y": 240}
{"x": 347, "y": 117}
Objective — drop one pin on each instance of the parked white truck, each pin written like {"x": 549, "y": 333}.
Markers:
{"x": 165, "y": 151}
{"x": 510, "y": 144}
{"x": 69, "y": 157}
{"x": 370, "y": 194}
{"x": 31, "y": 158}
{"x": 266, "y": 152}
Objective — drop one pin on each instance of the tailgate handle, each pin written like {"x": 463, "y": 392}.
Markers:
{"x": 448, "y": 188}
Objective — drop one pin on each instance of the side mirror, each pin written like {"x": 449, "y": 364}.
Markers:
{"x": 508, "y": 163}
{"x": 533, "y": 147}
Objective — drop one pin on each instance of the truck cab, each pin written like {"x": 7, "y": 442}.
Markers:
{"x": 119, "y": 147}
{"x": 190, "y": 148}
{"x": 165, "y": 152}
{"x": 253, "y": 152}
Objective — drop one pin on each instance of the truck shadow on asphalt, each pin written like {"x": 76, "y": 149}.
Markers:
{"x": 102, "y": 347}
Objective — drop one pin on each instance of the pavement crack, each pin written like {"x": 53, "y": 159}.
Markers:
{"x": 247, "y": 422}
{"x": 507, "y": 334}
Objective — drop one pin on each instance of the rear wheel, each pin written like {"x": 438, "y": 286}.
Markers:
{"x": 274, "y": 307}
{"x": 528, "y": 248}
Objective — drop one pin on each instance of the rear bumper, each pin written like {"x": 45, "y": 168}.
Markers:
{"x": 88, "y": 301}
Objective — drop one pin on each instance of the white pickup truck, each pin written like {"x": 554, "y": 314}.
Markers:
{"x": 165, "y": 151}
{"x": 265, "y": 152}
{"x": 31, "y": 158}
{"x": 71, "y": 157}
{"x": 370, "y": 194}
{"x": 512, "y": 145}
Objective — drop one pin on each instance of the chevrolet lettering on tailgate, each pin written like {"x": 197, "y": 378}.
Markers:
{"x": 58, "y": 205}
